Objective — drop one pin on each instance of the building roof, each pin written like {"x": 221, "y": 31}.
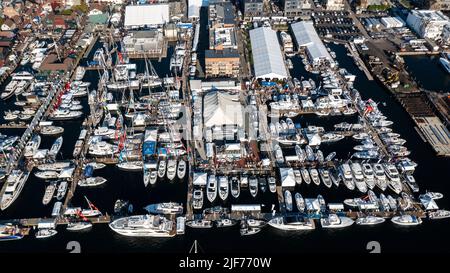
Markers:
{"x": 221, "y": 108}
{"x": 141, "y": 15}
{"x": 267, "y": 58}
{"x": 306, "y": 36}
{"x": 226, "y": 53}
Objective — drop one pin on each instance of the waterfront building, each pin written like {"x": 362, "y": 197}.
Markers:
{"x": 137, "y": 16}
{"x": 307, "y": 38}
{"x": 222, "y": 63}
{"x": 335, "y": 4}
{"x": 296, "y": 8}
{"x": 150, "y": 43}
{"x": 221, "y": 26}
{"x": 427, "y": 23}
{"x": 252, "y": 8}
{"x": 268, "y": 61}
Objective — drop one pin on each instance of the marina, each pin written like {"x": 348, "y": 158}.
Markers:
{"x": 133, "y": 144}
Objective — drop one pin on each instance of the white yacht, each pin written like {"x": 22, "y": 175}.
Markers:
{"x": 134, "y": 166}
{"x": 288, "y": 200}
{"x": 335, "y": 221}
{"x": 300, "y": 202}
{"x": 197, "y": 199}
{"x": 225, "y": 223}
{"x": 49, "y": 193}
{"x": 439, "y": 214}
{"x": 394, "y": 177}
{"x": 92, "y": 181}
{"x": 51, "y": 130}
{"x": 368, "y": 175}
{"x": 144, "y": 226}
{"x": 181, "y": 169}
{"x": 314, "y": 176}
{"x": 65, "y": 114}
{"x": 235, "y": 187}
{"x": 325, "y": 176}
{"x": 79, "y": 73}
{"x": 292, "y": 223}
{"x": 14, "y": 185}
{"x": 253, "y": 185}
{"x": 272, "y": 184}
{"x": 305, "y": 175}
{"x": 380, "y": 177}
{"x": 331, "y": 137}
{"x": 200, "y": 223}
{"x": 223, "y": 187}
{"x": 78, "y": 226}
{"x": 369, "y": 220}
{"x": 165, "y": 208}
{"x": 171, "y": 169}
{"x": 45, "y": 233}
{"x": 278, "y": 154}
{"x": 411, "y": 181}
{"x": 54, "y": 150}
{"x": 161, "y": 168}
{"x": 211, "y": 189}
{"x": 56, "y": 166}
{"x": 406, "y": 220}
{"x": 32, "y": 146}
{"x": 346, "y": 175}
{"x": 358, "y": 177}
{"x": 298, "y": 177}
{"x": 47, "y": 174}
{"x": 62, "y": 189}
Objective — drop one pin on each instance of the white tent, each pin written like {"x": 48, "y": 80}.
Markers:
{"x": 287, "y": 177}
{"x": 200, "y": 179}
{"x": 306, "y": 36}
{"x": 146, "y": 15}
{"x": 267, "y": 58}
{"x": 428, "y": 202}
{"x": 221, "y": 108}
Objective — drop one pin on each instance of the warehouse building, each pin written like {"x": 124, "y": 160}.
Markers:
{"x": 307, "y": 38}
{"x": 427, "y": 23}
{"x": 268, "y": 61}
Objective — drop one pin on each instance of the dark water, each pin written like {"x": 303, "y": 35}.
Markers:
{"x": 428, "y": 72}
{"x": 432, "y": 174}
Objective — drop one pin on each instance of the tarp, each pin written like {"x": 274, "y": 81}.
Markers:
{"x": 149, "y": 148}
{"x": 88, "y": 171}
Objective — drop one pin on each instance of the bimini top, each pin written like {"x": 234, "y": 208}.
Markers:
{"x": 267, "y": 58}
{"x": 306, "y": 36}
{"x": 222, "y": 108}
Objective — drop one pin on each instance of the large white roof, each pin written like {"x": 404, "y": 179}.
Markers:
{"x": 267, "y": 58}
{"x": 221, "y": 108}
{"x": 141, "y": 15}
{"x": 306, "y": 36}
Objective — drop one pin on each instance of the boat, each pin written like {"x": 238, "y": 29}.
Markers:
{"x": 49, "y": 193}
{"x": 358, "y": 177}
{"x": 272, "y": 184}
{"x": 235, "y": 187}
{"x": 225, "y": 223}
{"x": 10, "y": 232}
{"x": 200, "y": 223}
{"x": 331, "y": 137}
{"x": 253, "y": 186}
{"x": 346, "y": 175}
{"x": 10, "y": 89}
{"x": 368, "y": 175}
{"x": 92, "y": 181}
{"x": 434, "y": 195}
{"x": 369, "y": 220}
{"x": 78, "y": 226}
{"x": 133, "y": 166}
{"x": 305, "y": 175}
{"x": 171, "y": 169}
{"x": 64, "y": 114}
{"x": 300, "y": 202}
{"x": 165, "y": 208}
{"x": 249, "y": 231}
{"x": 411, "y": 182}
{"x": 181, "y": 169}
{"x": 32, "y": 146}
{"x": 292, "y": 223}
{"x": 197, "y": 199}
{"x": 51, "y": 130}
{"x": 211, "y": 189}
{"x": 309, "y": 153}
{"x": 445, "y": 63}
{"x": 62, "y": 188}
{"x": 288, "y": 200}
{"x": 143, "y": 226}
{"x": 223, "y": 187}
{"x": 278, "y": 154}
{"x": 325, "y": 176}
{"x": 380, "y": 176}
{"x": 161, "y": 168}
{"x": 45, "y": 233}
{"x": 300, "y": 153}
{"x": 262, "y": 184}
{"x": 406, "y": 220}
{"x": 79, "y": 73}
{"x": 47, "y": 174}
{"x": 54, "y": 150}
{"x": 314, "y": 176}
{"x": 14, "y": 185}
{"x": 438, "y": 214}
{"x": 120, "y": 205}
{"x": 335, "y": 221}
{"x": 392, "y": 203}
{"x": 255, "y": 223}
{"x": 394, "y": 177}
